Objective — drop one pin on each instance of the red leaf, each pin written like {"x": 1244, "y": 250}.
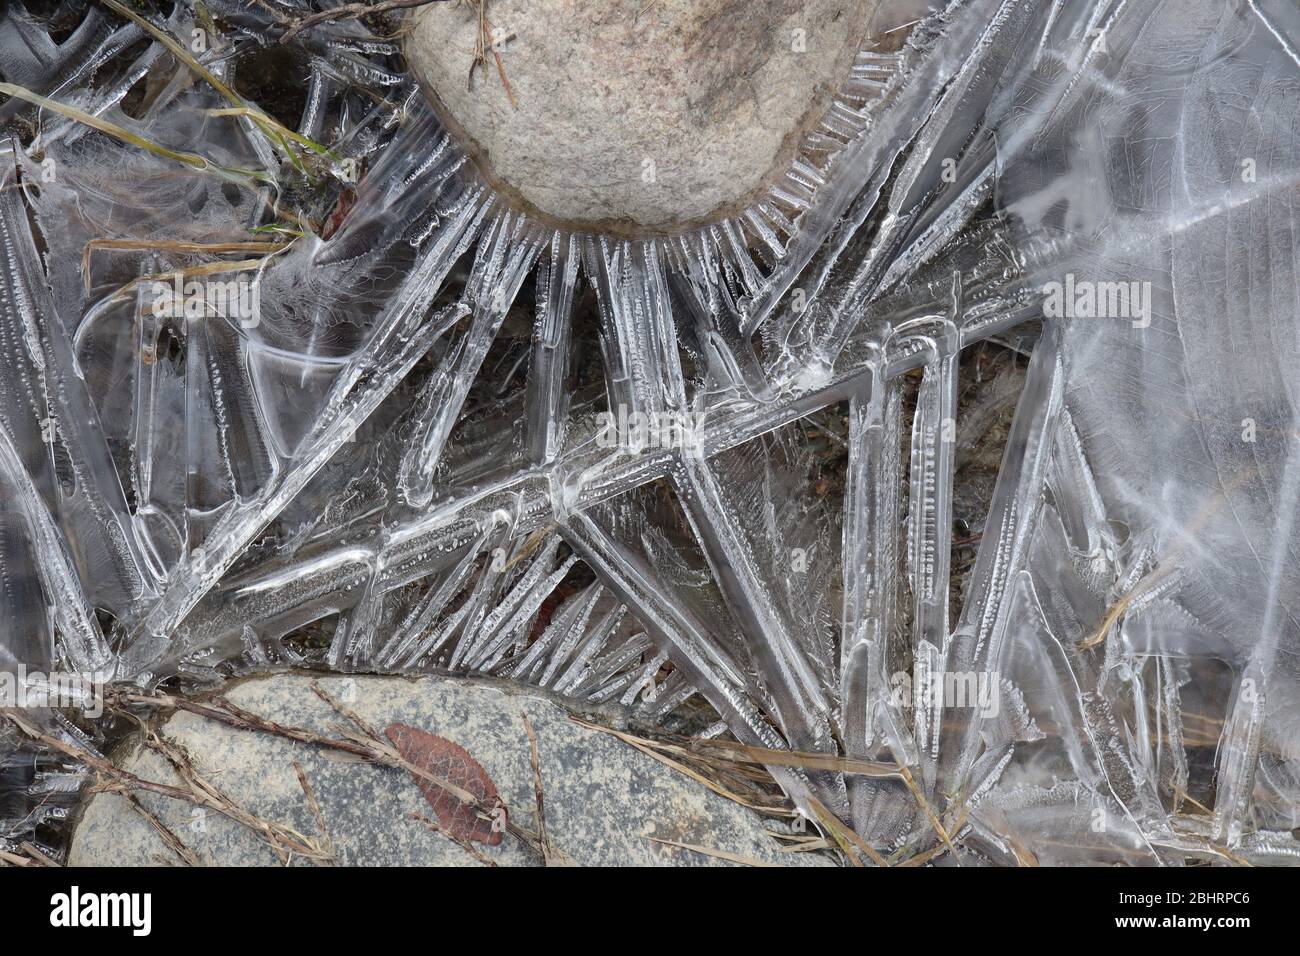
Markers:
{"x": 452, "y": 763}
{"x": 347, "y": 199}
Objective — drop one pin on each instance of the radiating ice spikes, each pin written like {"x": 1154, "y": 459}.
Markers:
{"x": 871, "y": 715}
{"x": 548, "y": 398}
{"x": 408, "y": 447}
{"x": 34, "y": 547}
{"x": 549, "y": 650}
{"x": 53, "y": 425}
{"x": 503, "y": 260}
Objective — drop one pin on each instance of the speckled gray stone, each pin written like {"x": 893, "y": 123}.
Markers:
{"x": 636, "y": 116}
{"x": 603, "y": 799}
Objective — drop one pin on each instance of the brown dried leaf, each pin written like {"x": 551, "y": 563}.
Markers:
{"x": 453, "y": 763}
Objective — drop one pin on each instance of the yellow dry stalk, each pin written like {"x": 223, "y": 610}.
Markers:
{"x": 193, "y": 160}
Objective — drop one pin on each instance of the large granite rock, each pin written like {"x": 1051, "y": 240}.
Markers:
{"x": 604, "y": 800}
{"x": 636, "y": 116}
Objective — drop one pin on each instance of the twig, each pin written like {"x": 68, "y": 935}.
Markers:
{"x": 206, "y": 269}
{"x": 537, "y": 785}
{"x": 193, "y": 160}
{"x": 366, "y": 744}
{"x": 770, "y": 757}
{"x": 719, "y": 854}
{"x": 113, "y": 779}
{"x": 551, "y": 854}
{"x": 939, "y": 847}
{"x": 653, "y": 748}
{"x": 233, "y": 716}
{"x": 283, "y": 840}
{"x": 848, "y": 838}
{"x": 463, "y": 844}
{"x": 348, "y": 11}
{"x": 314, "y": 807}
{"x": 924, "y": 804}
{"x": 484, "y": 41}
{"x": 501, "y": 72}
{"x": 1024, "y": 856}
{"x": 1163, "y": 568}
{"x": 849, "y": 841}
{"x": 188, "y": 856}
{"x": 276, "y": 130}
{"x": 37, "y": 854}
{"x": 121, "y": 779}
{"x": 361, "y": 724}
{"x": 800, "y": 843}
{"x": 147, "y": 245}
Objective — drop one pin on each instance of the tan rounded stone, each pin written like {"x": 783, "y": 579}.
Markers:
{"x": 606, "y": 803}
{"x": 636, "y": 116}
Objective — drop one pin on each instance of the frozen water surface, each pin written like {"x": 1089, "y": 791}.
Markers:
{"x": 452, "y": 439}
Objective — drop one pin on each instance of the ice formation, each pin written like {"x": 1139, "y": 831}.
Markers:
{"x": 397, "y": 463}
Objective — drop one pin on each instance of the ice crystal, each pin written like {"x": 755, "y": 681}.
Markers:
{"x": 398, "y": 464}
